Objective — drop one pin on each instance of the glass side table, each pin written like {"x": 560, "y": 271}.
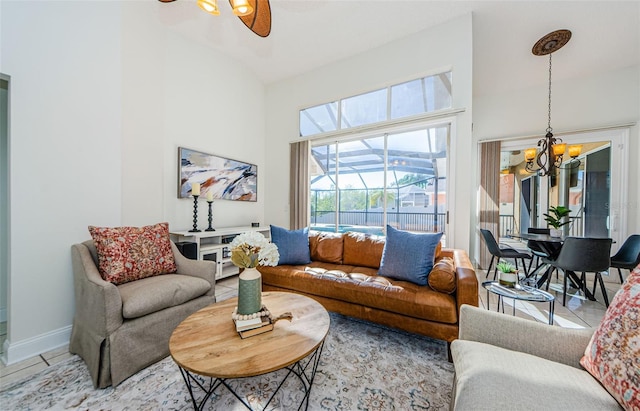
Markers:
{"x": 519, "y": 292}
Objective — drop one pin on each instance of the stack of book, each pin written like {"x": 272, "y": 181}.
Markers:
{"x": 254, "y": 326}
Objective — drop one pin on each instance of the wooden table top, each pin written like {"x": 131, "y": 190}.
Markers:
{"x": 207, "y": 343}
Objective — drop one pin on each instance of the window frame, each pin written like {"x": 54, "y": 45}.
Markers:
{"x": 389, "y": 103}
{"x": 433, "y": 121}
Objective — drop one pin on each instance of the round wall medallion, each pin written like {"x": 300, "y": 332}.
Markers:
{"x": 551, "y": 42}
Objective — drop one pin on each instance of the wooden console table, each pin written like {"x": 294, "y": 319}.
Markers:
{"x": 214, "y": 245}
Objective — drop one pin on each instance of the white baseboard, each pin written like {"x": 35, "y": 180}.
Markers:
{"x": 22, "y": 350}
{"x": 3, "y": 314}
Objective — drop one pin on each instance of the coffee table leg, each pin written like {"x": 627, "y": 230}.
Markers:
{"x": 551, "y": 309}
{"x": 315, "y": 361}
{"x": 298, "y": 369}
{"x": 188, "y": 379}
{"x": 301, "y": 372}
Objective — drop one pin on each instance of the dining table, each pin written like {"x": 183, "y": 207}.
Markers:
{"x": 551, "y": 247}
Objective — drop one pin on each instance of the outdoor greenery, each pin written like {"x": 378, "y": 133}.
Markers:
{"x": 356, "y": 199}
{"x": 375, "y": 200}
{"x": 409, "y": 179}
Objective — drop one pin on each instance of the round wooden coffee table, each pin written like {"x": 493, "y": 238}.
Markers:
{"x": 206, "y": 343}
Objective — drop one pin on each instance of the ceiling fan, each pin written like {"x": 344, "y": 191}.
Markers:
{"x": 255, "y": 14}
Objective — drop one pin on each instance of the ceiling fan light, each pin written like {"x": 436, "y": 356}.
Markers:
{"x": 241, "y": 7}
{"x": 210, "y": 6}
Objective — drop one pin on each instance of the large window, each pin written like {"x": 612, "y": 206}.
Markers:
{"x": 397, "y": 179}
{"x": 423, "y": 95}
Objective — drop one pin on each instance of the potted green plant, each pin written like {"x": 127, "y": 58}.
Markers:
{"x": 554, "y": 219}
{"x": 508, "y": 275}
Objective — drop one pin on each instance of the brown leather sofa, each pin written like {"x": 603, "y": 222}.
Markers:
{"x": 342, "y": 276}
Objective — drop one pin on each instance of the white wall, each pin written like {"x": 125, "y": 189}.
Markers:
{"x": 101, "y": 99}
{"x": 445, "y": 47}
{"x": 180, "y": 94}
{"x": 65, "y": 142}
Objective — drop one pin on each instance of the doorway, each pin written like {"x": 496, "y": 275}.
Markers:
{"x": 593, "y": 189}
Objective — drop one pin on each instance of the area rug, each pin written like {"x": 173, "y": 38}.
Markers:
{"x": 363, "y": 366}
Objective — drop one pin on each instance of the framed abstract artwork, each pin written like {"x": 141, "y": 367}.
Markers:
{"x": 219, "y": 178}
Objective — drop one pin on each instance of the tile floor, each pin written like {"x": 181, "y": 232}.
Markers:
{"x": 578, "y": 313}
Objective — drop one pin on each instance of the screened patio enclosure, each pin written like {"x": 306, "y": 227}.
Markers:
{"x": 397, "y": 179}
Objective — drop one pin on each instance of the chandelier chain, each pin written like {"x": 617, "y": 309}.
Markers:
{"x": 549, "y": 129}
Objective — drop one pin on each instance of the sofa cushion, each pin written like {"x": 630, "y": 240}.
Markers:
{"x": 293, "y": 245}
{"x": 613, "y": 354}
{"x": 362, "y": 249}
{"x": 152, "y": 294}
{"x": 443, "y": 276}
{"x": 131, "y": 253}
{"x": 326, "y": 247}
{"x": 490, "y": 377}
{"x": 362, "y": 286}
{"x": 408, "y": 256}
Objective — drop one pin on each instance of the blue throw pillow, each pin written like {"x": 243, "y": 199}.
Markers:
{"x": 293, "y": 245}
{"x": 408, "y": 256}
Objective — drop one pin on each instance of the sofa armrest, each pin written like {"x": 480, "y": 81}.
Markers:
{"x": 563, "y": 345}
{"x": 467, "y": 282}
{"x": 98, "y": 303}
{"x": 195, "y": 268}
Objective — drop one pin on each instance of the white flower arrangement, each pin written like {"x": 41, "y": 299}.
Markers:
{"x": 250, "y": 249}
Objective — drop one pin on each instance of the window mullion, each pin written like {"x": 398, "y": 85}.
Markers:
{"x": 384, "y": 185}
{"x": 337, "y": 206}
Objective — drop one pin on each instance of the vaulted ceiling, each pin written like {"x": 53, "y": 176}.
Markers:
{"x": 307, "y": 34}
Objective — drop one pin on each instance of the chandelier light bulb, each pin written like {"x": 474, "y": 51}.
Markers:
{"x": 530, "y": 154}
{"x": 575, "y": 150}
{"x": 559, "y": 149}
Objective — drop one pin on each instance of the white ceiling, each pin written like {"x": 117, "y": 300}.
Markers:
{"x": 307, "y": 34}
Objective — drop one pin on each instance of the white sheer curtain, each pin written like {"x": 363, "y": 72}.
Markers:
{"x": 299, "y": 185}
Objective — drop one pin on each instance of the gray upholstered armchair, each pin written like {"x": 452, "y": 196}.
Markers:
{"x": 121, "y": 329}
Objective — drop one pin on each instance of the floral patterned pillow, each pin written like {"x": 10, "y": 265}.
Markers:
{"x": 131, "y": 253}
{"x": 613, "y": 354}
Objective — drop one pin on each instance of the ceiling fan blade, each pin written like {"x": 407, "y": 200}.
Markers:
{"x": 260, "y": 20}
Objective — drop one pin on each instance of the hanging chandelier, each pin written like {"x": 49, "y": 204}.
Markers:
{"x": 551, "y": 149}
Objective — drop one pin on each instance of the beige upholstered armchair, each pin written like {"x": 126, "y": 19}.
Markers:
{"x": 121, "y": 329}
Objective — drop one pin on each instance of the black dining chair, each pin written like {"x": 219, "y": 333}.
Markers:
{"x": 497, "y": 253}
{"x": 536, "y": 251}
{"x": 585, "y": 255}
{"x": 628, "y": 256}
